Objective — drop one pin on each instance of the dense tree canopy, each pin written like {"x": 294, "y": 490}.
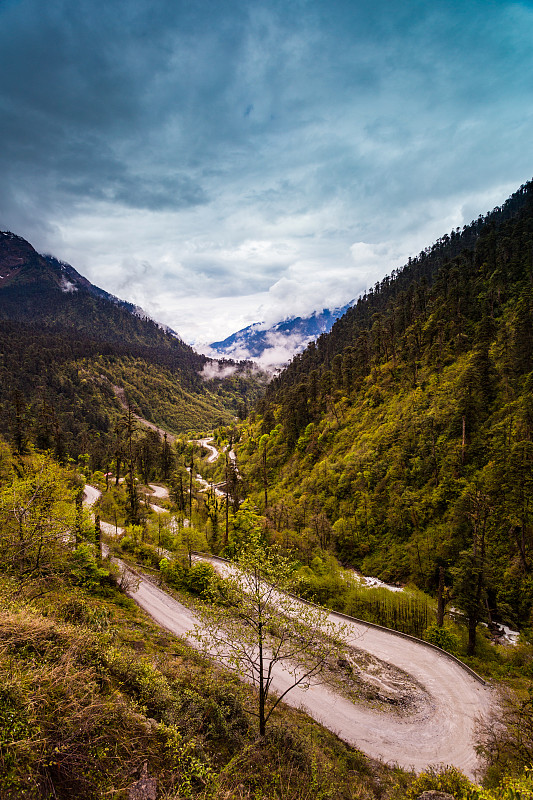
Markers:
{"x": 408, "y": 429}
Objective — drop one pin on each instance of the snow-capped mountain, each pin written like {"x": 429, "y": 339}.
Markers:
{"x": 276, "y": 345}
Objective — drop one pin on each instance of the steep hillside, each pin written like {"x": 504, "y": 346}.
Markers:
{"x": 65, "y": 344}
{"x": 403, "y": 440}
{"x": 42, "y": 290}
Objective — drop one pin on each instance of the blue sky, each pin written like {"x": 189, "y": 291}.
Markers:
{"x": 223, "y": 162}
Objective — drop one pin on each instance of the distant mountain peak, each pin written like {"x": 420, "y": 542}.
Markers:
{"x": 21, "y": 264}
{"x": 274, "y": 346}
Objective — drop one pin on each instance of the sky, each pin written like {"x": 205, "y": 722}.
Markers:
{"x": 225, "y": 162}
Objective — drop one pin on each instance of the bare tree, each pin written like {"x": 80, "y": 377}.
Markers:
{"x": 258, "y": 629}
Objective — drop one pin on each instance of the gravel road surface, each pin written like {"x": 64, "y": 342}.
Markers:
{"x": 213, "y": 452}
{"x": 161, "y": 492}
{"x": 90, "y": 495}
{"x": 440, "y": 731}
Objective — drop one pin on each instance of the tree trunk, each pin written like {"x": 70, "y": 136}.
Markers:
{"x": 98, "y": 534}
{"x": 262, "y": 722}
{"x": 518, "y": 533}
{"x": 472, "y": 625}
{"x": 79, "y": 514}
{"x": 190, "y": 491}
{"x": 434, "y": 453}
{"x": 265, "y": 481}
{"x": 226, "y": 534}
{"x": 440, "y": 599}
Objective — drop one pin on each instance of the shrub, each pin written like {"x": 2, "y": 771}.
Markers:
{"x": 442, "y": 637}
{"x": 142, "y": 552}
{"x": 447, "y": 779}
{"x": 84, "y": 567}
{"x": 200, "y": 580}
{"x": 78, "y": 611}
{"x": 403, "y": 611}
{"x": 15, "y": 726}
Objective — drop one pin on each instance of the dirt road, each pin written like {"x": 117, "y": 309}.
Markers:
{"x": 213, "y": 452}
{"x": 440, "y": 732}
{"x": 441, "y": 729}
{"x": 91, "y": 495}
{"x": 161, "y": 492}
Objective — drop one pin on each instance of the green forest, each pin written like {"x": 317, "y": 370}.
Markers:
{"x": 402, "y": 441}
{"x": 398, "y": 446}
{"x": 64, "y": 354}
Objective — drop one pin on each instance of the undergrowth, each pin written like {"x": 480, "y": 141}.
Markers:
{"x": 90, "y": 691}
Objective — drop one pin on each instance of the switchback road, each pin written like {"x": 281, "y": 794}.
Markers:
{"x": 440, "y": 731}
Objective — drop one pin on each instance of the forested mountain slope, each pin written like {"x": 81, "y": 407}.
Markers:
{"x": 65, "y": 344}
{"x": 402, "y": 440}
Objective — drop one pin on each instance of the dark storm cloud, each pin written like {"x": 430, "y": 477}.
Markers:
{"x": 81, "y": 102}
{"x": 243, "y": 146}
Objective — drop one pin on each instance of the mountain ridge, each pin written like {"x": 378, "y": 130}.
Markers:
{"x": 64, "y": 342}
{"x": 25, "y": 265}
{"x": 278, "y": 343}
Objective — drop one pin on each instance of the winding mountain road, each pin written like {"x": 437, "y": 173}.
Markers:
{"x": 161, "y": 492}
{"x": 213, "y": 452}
{"x": 440, "y": 731}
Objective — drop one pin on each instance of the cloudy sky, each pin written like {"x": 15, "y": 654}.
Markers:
{"x": 222, "y": 162}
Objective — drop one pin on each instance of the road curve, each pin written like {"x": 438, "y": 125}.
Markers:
{"x": 90, "y": 495}
{"x": 213, "y": 452}
{"x": 441, "y": 731}
{"x": 161, "y": 492}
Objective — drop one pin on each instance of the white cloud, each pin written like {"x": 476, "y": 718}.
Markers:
{"x": 224, "y": 164}
{"x": 212, "y": 369}
{"x": 280, "y": 349}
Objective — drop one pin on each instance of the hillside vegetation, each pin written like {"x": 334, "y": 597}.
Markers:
{"x": 91, "y": 690}
{"x": 400, "y": 444}
{"x": 402, "y": 441}
{"x": 94, "y": 696}
{"x": 65, "y": 344}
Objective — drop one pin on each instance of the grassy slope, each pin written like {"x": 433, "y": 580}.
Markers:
{"x": 91, "y": 690}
